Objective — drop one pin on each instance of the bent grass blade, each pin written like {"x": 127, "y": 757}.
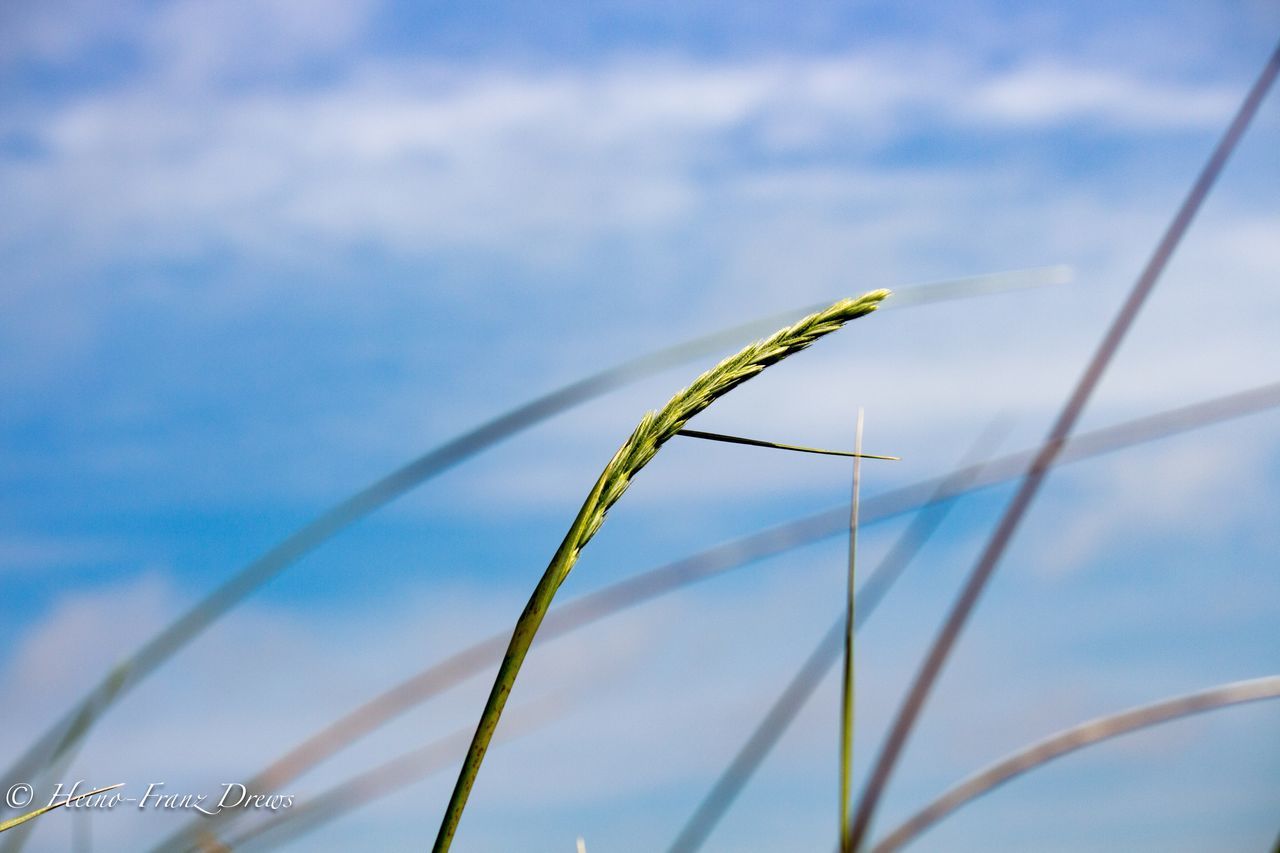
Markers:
{"x": 61, "y": 738}
{"x": 1029, "y": 486}
{"x": 383, "y": 780}
{"x": 732, "y": 555}
{"x": 1069, "y": 740}
{"x": 654, "y": 430}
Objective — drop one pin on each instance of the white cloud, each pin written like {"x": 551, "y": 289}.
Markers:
{"x": 760, "y": 182}
{"x": 1047, "y": 94}
{"x": 418, "y": 157}
{"x": 678, "y": 684}
{"x": 1207, "y": 484}
{"x": 83, "y": 634}
{"x": 58, "y": 32}
{"x": 187, "y": 42}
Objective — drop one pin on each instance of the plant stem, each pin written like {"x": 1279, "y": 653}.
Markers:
{"x": 847, "y": 690}
{"x": 904, "y": 721}
{"x": 654, "y": 430}
{"x": 32, "y": 815}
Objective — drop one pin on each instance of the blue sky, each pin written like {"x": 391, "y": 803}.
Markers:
{"x": 259, "y": 254}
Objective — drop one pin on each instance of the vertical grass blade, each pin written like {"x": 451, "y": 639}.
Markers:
{"x": 82, "y": 833}
{"x": 904, "y": 721}
{"x": 654, "y": 429}
{"x": 763, "y": 738}
{"x": 798, "y": 691}
{"x": 847, "y": 681}
{"x": 1069, "y": 740}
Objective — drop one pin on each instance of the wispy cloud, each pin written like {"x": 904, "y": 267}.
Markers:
{"x": 416, "y": 158}
{"x": 1047, "y": 94}
{"x": 258, "y": 253}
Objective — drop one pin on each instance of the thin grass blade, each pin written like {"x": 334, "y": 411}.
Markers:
{"x": 1072, "y": 739}
{"x": 654, "y": 430}
{"x": 799, "y": 690}
{"x": 12, "y": 823}
{"x": 383, "y": 780}
{"x": 712, "y": 562}
{"x": 67, "y": 731}
{"x": 847, "y": 685}
{"x": 918, "y": 693}
{"x": 773, "y": 445}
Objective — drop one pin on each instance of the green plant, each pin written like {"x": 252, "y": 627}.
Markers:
{"x": 59, "y": 742}
{"x": 654, "y": 429}
{"x": 847, "y": 676}
{"x": 56, "y": 804}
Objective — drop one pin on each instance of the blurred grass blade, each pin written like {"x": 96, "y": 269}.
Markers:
{"x": 385, "y": 779}
{"x": 653, "y": 431}
{"x": 57, "y": 769}
{"x": 1072, "y": 739}
{"x": 82, "y": 832}
{"x": 67, "y": 731}
{"x": 762, "y": 740}
{"x": 32, "y": 815}
{"x": 847, "y": 685}
{"x": 1030, "y": 484}
{"x": 755, "y": 442}
{"x": 798, "y": 691}
{"x": 614, "y": 598}
{"x": 962, "y": 288}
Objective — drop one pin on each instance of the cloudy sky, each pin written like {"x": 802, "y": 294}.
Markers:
{"x": 258, "y": 254}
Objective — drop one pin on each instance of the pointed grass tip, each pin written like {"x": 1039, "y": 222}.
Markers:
{"x": 755, "y": 442}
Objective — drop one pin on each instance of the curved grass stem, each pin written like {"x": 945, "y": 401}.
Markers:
{"x": 1068, "y": 741}
{"x": 654, "y": 430}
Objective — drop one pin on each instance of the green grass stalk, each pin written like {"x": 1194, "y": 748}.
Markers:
{"x": 59, "y": 742}
{"x": 729, "y": 556}
{"x": 32, "y": 815}
{"x": 847, "y": 682}
{"x": 654, "y": 429}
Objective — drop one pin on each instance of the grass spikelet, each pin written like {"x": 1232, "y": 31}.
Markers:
{"x": 61, "y": 739}
{"x": 618, "y": 596}
{"x": 654, "y": 430}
